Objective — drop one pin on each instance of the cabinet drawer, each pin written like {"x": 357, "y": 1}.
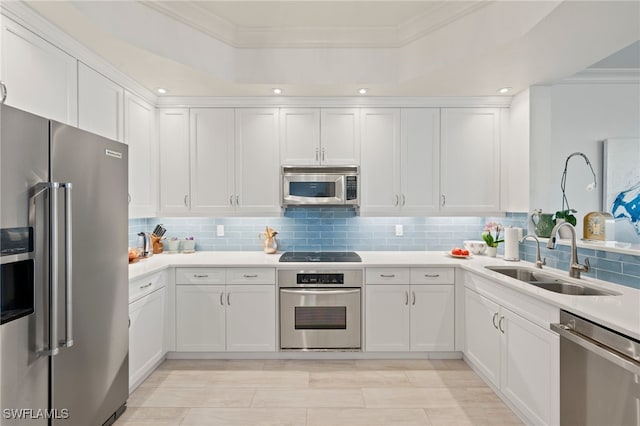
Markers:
{"x": 142, "y": 286}
{"x": 200, "y": 276}
{"x": 388, "y": 275}
{"x": 251, "y": 276}
{"x": 432, "y": 276}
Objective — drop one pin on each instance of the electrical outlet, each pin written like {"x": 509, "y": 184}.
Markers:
{"x": 399, "y": 231}
{"x": 220, "y": 230}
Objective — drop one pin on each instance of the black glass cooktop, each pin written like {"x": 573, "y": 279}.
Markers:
{"x": 320, "y": 256}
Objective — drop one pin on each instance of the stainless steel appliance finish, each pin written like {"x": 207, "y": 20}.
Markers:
{"x": 599, "y": 374}
{"x": 320, "y": 309}
{"x": 320, "y": 256}
{"x": 69, "y": 358}
{"x": 320, "y": 185}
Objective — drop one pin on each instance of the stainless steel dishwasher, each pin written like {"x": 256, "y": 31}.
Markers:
{"x": 599, "y": 374}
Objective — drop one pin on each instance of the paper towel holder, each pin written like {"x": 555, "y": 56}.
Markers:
{"x": 511, "y": 244}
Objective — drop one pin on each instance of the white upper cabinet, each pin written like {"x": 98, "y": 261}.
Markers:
{"x": 212, "y": 160}
{"x": 470, "y": 160}
{"x": 140, "y": 135}
{"x": 380, "y": 170}
{"x": 257, "y": 174}
{"x": 174, "y": 160}
{"x": 39, "y": 77}
{"x": 314, "y": 136}
{"x": 100, "y": 104}
{"x": 300, "y": 136}
{"x": 340, "y": 136}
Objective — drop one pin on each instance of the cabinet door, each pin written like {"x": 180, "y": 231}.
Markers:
{"x": 340, "y": 136}
{"x": 146, "y": 335}
{"x": 300, "y": 136}
{"x": 251, "y": 318}
{"x": 387, "y": 317}
{"x": 200, "y": 319}
{"x": 174, "y": 160}
{"x": 482, "y": 337}
{"x": 212, "y": 160}
{"x": 100, "y": 104}
{"x": 40, "y": 78}
{"x": 139, "y": 134}
{"x": 380, "y": 160}
{"x": 432, "y": 318}
{"x": 470, "y": 160}
{"x": 420, "y": 160}
{"x": 257, "y": 169}
{"x": 530, "y": 368}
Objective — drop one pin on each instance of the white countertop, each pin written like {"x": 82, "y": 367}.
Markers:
{"x": 620, "y": 313}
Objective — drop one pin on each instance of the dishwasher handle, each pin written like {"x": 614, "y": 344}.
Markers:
{"x": 321, "y": 292}
{"x": 596, "y": 347}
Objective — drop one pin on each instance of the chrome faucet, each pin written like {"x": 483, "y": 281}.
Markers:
{"x": 574, "y": 266}
{"x": 539, "y": 262}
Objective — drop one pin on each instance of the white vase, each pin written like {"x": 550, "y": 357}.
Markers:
{"x": 492, "y": 251}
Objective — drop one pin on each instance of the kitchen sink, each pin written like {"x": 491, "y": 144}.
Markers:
{"x": 549, "y": 282}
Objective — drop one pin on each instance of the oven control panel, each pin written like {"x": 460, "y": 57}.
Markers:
{"x": 308, "y": 278}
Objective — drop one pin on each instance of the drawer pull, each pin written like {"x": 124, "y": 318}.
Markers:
{"x": 201, "y": 276}
{"x": 250, "y": 276}
{"x": 388, "y": 276}
{"x": 146, "y": 285}
{"x": 431, "y": 275}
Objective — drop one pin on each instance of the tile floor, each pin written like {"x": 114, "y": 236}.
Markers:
{"x": 314, "y": 393}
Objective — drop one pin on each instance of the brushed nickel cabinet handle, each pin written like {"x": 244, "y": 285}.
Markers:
{"x": 494, "y": 320}
{"x": 228, "y": 299}
{"x": 221, "y": 300}
{"x": 250, "y": 276}
{"x": 388, "y": 276}
{"x": 414, "y": 298}
{"x": 186, "y": 198}
{"x": 431, "y": 275}
{"x": 231, "y": 199}
{"x": 404, "y": 200}
{"x": 500, "y": 324}
{"x": 406, "y": 296}
{"x": 444, "y": 200}
{"x": 146, "y": 285}
{"x": 3, "y": 91}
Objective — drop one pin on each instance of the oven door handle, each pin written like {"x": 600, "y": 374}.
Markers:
{"x": 596, "y": 347}
{"x": 320, "y": 291}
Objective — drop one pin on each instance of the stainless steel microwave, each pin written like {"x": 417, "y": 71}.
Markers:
{"x": 320, "y": 185}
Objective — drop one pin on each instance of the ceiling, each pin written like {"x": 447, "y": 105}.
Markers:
{"x": 333, "y": 48}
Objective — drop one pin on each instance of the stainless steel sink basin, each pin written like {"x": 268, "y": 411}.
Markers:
{"x": 549, "y": 282}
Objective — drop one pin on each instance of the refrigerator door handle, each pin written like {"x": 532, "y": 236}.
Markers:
{"x": 68, "y": 238}
{"x": 52, "y": 347}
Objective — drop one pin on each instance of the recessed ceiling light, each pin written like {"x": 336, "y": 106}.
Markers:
{"x": 504, "y": 90}
{"x": 162, "y": 91}
{"x": 362, "y": 91}
{"x": 277, "y": 91}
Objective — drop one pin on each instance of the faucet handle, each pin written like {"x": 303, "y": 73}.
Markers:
{"x": 587, "y": 265}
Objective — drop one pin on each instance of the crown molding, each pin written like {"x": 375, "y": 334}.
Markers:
{"x": 32, "y": 21}
{"x": 334, "y": 102}
{"x": 604, "y": 76}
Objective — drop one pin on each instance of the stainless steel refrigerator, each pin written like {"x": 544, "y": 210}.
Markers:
{"x": 63, "y": 240}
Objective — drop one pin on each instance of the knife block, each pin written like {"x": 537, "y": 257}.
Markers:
{"x": 157, "y": 245}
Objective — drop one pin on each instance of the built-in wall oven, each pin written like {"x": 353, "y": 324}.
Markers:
{"x": 320, "y": 309}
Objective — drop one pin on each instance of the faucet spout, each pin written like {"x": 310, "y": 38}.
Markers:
{"x": 539, "y": 261}
{"x": 574, "y": 266}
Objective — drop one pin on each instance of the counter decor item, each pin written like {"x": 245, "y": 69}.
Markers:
{"x": 189, "y": 245}
{"x": 543, "y": 223}
{"x": 173, "y": 244}
{"x": 512, "y": 236}
{"x": 567, "y": 213}
{"x": 599, "y": 226}
{"x": 475, "y": 246}
{"x": 156, "y": 243}
{"x": 269, "y": 242}
{"x": 491, "y": 236}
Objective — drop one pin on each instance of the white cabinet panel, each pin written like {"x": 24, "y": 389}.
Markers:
{"x": 200, "y": 318}
{"x": 251, "y": 318}
{"x": 100, "y": 104}
{"x": 387, "y": 318}
{"x": 146, "y": 335}
{"x": 470, "y": 160}
{"x": 300, "y": 136}
{"x": 340, "y": 136}
{"x": 40, "y": 78}
{"x": 257, "y": 170}
{"x": 432, "y": 318}
{"x": 380, "y": 160}
{"x": 140, "y": 135}
{"x": 174, "y": 160}
{"x": 212, "y": 160}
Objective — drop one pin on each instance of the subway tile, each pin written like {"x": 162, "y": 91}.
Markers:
{"x": 628, "y": 280}
{"x": 631, "y": 269}
{"x": 607, "y": 265}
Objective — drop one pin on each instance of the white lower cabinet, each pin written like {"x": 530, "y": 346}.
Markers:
{"x": 402, "y": 316}
{"x": 238, "y": 317}
{"x": 519, "y": 357}
{"x": 147, "y": 316}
